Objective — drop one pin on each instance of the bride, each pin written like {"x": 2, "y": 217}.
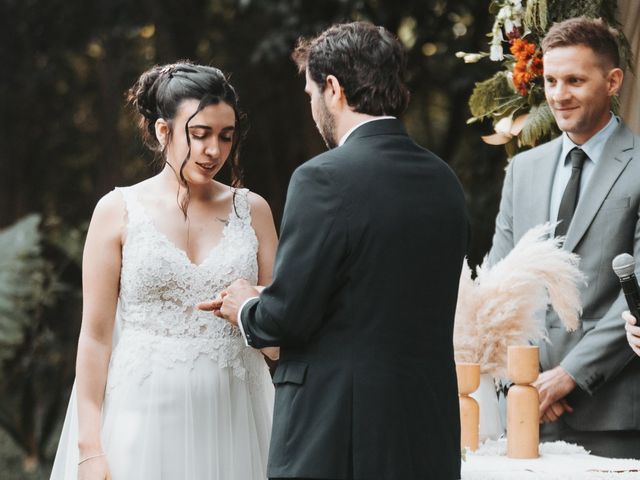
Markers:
{"x": 164, "y": 390}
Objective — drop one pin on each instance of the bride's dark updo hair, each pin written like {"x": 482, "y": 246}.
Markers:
{"x": 159, "y": 92}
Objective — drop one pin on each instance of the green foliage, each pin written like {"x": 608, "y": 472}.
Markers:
{"x": 615, "y": 104}
{"x": 536, "y": 16}
{"x": 26, "y": 282}
{"x": 559, "y": 10}
{"x": 511, "y": 147}
{"x": 35, "y": 337}
{"x": 489, "y": 96}
{"x": 539, "y": 125}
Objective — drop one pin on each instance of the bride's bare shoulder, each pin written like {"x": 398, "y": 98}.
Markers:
{"x": 151, "y": 190}
{"x": 110, "y": 204}
{"x": 109, "y": 214}
{"x": 259, "y": 206}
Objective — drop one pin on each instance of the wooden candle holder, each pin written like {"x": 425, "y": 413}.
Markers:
{"x": 468, "y": 382}
{"x": 523, "y": 417}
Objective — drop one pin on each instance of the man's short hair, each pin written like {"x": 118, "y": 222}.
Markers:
{"x": 590, "y": 32}
{"x": 367, "y": 60}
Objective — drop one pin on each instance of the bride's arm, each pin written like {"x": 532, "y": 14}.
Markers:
{"x": 262, "y": 222}
{"x": 100, "y": 283}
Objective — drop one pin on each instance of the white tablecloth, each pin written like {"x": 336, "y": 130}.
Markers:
{"x": 557, "y": 461}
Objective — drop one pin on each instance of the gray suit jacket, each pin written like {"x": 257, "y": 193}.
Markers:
{"x": 605, "y": 223}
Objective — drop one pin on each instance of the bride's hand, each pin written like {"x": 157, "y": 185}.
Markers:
{"x": 272, "y": 352}
{"x": 94, "y": 469}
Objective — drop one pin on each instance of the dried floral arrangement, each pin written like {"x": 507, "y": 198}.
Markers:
{"x": 505, "y": 303}
{"x": 513, "y": 98}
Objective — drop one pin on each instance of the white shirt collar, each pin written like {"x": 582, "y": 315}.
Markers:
{"x": 352, "y": 129}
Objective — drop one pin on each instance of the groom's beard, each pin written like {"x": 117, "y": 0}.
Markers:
{"x": 327, "y": 126}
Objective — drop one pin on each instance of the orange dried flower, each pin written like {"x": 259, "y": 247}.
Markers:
{"x": 528, "y": 64}
{"x": 517, "y": 46}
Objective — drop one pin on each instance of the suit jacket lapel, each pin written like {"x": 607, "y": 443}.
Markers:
{"x": 540, "y": 192}
{"x": 607, "y": 171}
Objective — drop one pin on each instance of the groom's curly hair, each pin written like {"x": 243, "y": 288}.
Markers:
{"x": 367, "y": 60}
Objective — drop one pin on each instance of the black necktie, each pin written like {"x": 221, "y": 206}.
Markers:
{"x": 571, "y": 192}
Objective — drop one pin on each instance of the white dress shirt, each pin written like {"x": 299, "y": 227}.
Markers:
{"x": 352, "y": 129}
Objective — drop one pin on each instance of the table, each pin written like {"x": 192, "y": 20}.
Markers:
{"x": 558, "y": 461}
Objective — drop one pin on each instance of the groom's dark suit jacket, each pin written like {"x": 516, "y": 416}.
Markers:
{"x": 362, "y": 304}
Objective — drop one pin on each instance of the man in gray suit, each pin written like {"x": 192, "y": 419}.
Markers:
{"x": 588, "y": 179}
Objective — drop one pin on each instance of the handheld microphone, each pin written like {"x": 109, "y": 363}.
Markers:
{"x": 624, "y": 266}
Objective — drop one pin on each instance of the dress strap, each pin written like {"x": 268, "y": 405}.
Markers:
{"x": 135, "y": 212}
{"x": 241, "y": 206}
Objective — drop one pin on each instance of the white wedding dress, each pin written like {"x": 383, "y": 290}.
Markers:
{"x": 185, "y": 398}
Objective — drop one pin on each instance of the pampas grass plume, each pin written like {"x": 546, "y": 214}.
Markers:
{"x": 505, "y": 304}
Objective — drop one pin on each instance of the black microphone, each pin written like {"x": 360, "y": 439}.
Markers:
{"x": 624, "y": 265}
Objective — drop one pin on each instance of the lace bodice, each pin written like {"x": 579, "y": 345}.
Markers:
{"x": 160, "y": 287}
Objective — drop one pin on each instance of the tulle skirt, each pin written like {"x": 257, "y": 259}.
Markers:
{"x": 190, "y": 421}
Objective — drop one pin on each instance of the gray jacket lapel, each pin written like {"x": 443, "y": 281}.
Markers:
{"x": 544, "y": 169}
{"x": 607, "y": 171}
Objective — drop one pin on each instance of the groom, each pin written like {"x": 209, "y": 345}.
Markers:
{"x": 362, "y": 303}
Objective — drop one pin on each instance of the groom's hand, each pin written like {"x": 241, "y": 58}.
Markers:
{"x": 212, "y": 305}
{"x": 230, "y": 300}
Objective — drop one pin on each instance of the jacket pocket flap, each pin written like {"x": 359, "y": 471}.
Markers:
{"x": 611, "y": 203}
{"x": 290, "y": 372}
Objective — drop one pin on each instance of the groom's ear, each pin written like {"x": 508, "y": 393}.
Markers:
{"x": 334, "y": 92}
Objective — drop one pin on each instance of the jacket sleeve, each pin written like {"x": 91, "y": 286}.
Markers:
{"x": 503, "y": 240}
{"x": 312, "y": 247}
{"x": 603, "y": 352}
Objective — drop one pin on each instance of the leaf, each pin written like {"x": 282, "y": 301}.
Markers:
{"x": 511, "y": 148}
{"x": 24, "y": 281}
{"x": 490, "y": 95}
{"x": 615, "y": 104}
{"x": 69, "y": 240}
{"x": 535, "y": 17}
{"x": 539, "y": 124}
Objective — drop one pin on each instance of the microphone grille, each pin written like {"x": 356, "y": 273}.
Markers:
{"x": 624, "y": 265}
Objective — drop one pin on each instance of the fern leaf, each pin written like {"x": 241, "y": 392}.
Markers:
{"x": 23, "y": 280}
{"x": 540, "y": 124}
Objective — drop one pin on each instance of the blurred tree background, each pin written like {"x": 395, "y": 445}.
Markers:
{"x": 67, "y": 139}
